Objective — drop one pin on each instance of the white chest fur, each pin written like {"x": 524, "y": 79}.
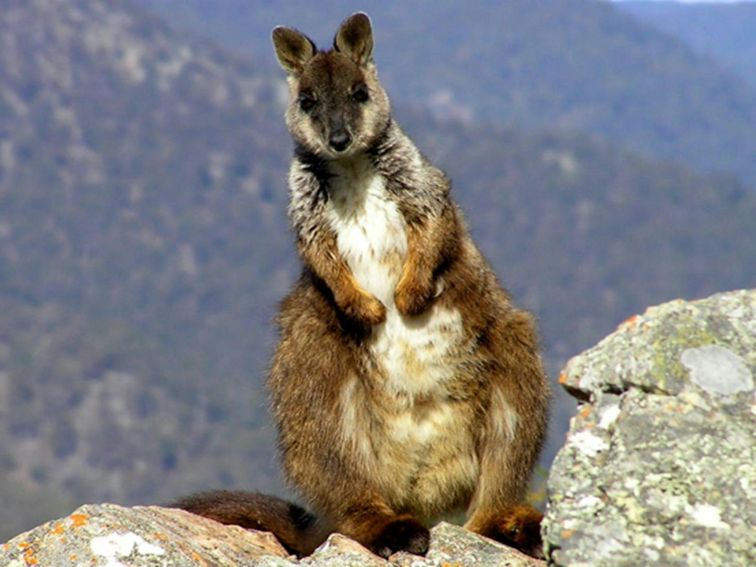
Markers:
{"x": 371, "y": 235}
{"x": 414, "y": 356}
{"x": 370, "y": 230}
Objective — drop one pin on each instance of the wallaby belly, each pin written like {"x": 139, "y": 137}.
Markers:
{"x": 415, "y": 439}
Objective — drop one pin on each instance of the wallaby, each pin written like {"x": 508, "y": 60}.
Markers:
{"x": 405, "y": 384}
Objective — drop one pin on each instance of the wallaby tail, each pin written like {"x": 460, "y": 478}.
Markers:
{"x": 297, "y": 530}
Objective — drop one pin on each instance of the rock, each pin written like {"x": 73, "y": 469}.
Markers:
{"x": 658, "y": 467}
{"x": 454, "y": 546}
{"x": 114, "y": 536}
{"x": 110, "y": 535}
{"x": 340, "y": 551}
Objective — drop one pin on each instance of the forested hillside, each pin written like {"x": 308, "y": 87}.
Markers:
{"x": 576, "y": 65}
{"x": 725, "y": 32}
{"x": 143, "y": 248}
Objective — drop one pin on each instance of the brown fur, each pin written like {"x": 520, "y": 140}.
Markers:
{"x": 380, "y": 429}
{"x": 518, "y": 526}
{"x": 295, "y": 528}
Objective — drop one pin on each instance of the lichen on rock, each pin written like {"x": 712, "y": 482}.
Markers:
{"x": 658, "y": 466}
{"x": 115, "y": 536}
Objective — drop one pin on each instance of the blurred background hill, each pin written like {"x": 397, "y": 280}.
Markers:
{"x": 605, "y": 163}
{"x": 723, "y": 32}
{"x": 577, "y": 65}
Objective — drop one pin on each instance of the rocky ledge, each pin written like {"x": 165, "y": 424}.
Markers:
{"x": 114, "y": 536}
{"x": 659, "y": 467}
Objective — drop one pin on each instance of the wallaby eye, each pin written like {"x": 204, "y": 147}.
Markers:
{"x": 307, "y": 101}
{"x": 360, "y": 93}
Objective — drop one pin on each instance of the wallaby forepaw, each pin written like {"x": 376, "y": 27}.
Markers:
{"x": 365, "y": 309}
{"x": 412, "y": 297}
{"x": 372, "y": 312}
{"x": 402, "y": 534}
{"x": 518, "y": 527}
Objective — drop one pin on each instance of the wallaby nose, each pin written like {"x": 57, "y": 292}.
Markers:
{"x": 340, "y": 140}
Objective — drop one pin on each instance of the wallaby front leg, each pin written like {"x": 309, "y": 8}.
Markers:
{"x": 415, "y": 289}
{"x": 429, "y": 243}
{"x": 323, "y": 257}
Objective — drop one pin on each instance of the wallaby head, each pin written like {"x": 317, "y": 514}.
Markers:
{"x": 337, "y": 107}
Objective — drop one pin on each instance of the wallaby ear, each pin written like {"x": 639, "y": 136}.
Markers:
{"x": 355, "y": 38}
{"x": 293, "y": 49}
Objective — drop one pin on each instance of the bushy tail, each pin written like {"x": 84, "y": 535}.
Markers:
{"x": 297, "y": 529}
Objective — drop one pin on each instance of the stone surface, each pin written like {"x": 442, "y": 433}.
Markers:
{"x": 113, "y": 536}
{"x": 658, "y": 466}
{"x": 454, "y": 546}
{"x": 340, "y": 551}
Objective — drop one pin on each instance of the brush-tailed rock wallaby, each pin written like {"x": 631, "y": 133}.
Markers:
{"x": 405, "y": 385}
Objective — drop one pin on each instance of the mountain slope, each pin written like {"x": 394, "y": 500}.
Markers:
{"x": 588, "y": 235}
{"x": 143, "y": 248}
{"x": 725, "y": 32}
{"x": 580, "y": 65}
{"x": 140, "y": 180}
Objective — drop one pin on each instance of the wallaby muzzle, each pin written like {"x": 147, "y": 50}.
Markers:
{"x": 338, "y": 138}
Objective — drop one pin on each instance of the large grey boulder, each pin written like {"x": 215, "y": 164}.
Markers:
{"x": 114, "y": 536}
{"x": 659, "y": 467}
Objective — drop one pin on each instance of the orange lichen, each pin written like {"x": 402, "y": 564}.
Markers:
{"x": 567, "y": 534}
{"x": 73, "y": 557}
{"x": 563, "y": 378}
{"x": 79, "y": 520}
{"x": 674, "y": 407}
{"x": 29, "y": 558}
{"x": 585, "y": 411}
{"x": 24, "y": 545}
{"x": 59, "y": 529}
